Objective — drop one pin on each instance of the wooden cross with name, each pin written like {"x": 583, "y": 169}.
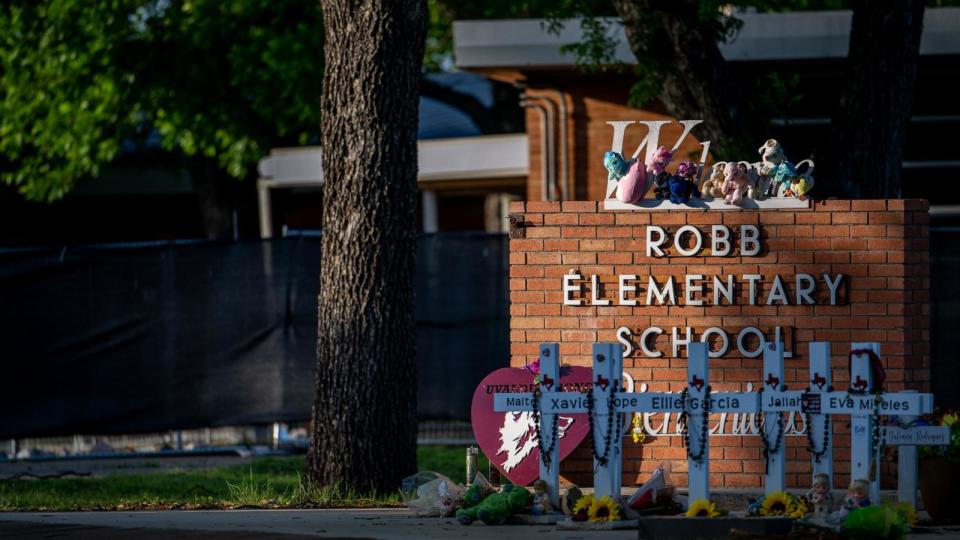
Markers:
{"x": 549, "y": 387}
{"x": 860, "y": 402}
{"x": 907, "y": 437}
{"x": 696, "y": 402}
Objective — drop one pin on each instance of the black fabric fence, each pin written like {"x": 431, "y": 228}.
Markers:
{"x": 125, "y": 339}
{"x": 945, "y": 314}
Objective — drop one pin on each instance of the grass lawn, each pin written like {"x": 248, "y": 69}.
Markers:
{"x": 264, "y": 483}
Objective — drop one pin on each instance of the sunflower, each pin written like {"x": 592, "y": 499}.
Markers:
{"x": 604, "y": 509}
{"x": 703, "y": 508}
{"x": 800, "y": 508}
{"x": 581, "y": 509}
{"x": 778, "y": 503}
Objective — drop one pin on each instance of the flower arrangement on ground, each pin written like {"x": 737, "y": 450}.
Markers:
{"x": 951, "y": 419}
{"x": 780, "y": 503}
{"x": 603, "y": 509}
{"x": 703, "y": 508}
{"x": 581, "y": 510}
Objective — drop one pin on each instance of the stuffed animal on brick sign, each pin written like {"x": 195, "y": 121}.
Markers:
{"x": 758, "y": 184}
{"x": 771, "y": 155}
{"x": 633, "y": 186}
{"x": 682, "y": 186}
{"x": 735, "y": 183}
{"x": 656, "y": 172}
{"x": 615, "y": 164}
{"x": 803, "y": 182}
{"x": 782, "y": 178}
{"x": 712, "y": 187}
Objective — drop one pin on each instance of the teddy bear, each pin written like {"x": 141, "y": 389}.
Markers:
{"x": 711, "y": 188}
{"x": 735, "y": 183}
{"x": 682, "y": 186}
{"x": 656, "y": 171}
{"x": 771, "y": 156}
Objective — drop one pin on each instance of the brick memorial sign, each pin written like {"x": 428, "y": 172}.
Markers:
{"x": 657, "y": 281}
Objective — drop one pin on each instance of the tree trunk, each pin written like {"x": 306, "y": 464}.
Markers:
{"x": 696, "y": 83}
{"x": 364, "y": 414}
{"x": 870, "y": 125}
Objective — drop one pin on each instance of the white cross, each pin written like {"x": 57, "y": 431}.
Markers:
{"x": 907, "y": 438}
{"x": 697, "y": 406}
{"x": 777, "y": 400}
{"x": 549, "y": 384}
{"x": 859, "y": 403}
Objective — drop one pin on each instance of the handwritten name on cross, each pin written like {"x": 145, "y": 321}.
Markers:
{"x": 907, "y": 437}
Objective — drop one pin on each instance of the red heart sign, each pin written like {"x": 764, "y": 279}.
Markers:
{"x": 509, "y": 439}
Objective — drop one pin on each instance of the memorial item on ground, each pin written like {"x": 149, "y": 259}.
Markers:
{"x": 512, "y": 440}
{"x": 569, "y": 500}
{"x": 887, "y": 521}
{"x": 820, "y": 495}
{"x": 703, "y": 508}
{"x": 435, "y": 495}
{"x": 541, "y": 499}
{"x": 603, "y": 509}
{"x": 779, "y": 503}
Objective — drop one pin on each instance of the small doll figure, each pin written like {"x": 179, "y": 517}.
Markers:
{"x": 656, "y": 172}
{"x": 712, "y": 187}
{"x": 857, "y": 497}
{"x": 682, "y": 186}
{"x": 820, "y": 496}
{"x": 541, "y": 499}
{"x": 735, "y": 183}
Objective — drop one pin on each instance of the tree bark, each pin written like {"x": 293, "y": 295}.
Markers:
{"x": 696, "y": 82}
{"x": 870, "y": 125}
{"x": 364, "y": 414}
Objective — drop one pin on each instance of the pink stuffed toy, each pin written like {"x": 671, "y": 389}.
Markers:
{"x": 633, "y": 186}
{"x": 735, "y": 183}
{"x": 659, "y": 160}
{"x": 656, "y": 164}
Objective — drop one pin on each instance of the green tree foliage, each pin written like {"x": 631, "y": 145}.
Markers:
{"x": 63, "y": 99}
{"x": 219, "y": 79}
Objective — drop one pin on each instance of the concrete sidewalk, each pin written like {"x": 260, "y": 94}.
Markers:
{"x": 381, "y": 524}
{"x": 397, "y": 524}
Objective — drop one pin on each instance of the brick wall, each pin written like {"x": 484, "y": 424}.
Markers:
{"x": 881, "y": 247}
